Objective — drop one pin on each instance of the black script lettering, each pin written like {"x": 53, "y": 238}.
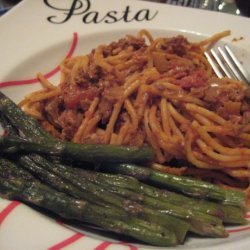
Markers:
{"x": 92, "y": 17}
{"x": 83, "y": 7}
{"x": 126, "y": 15}
{"x": 111, "y": 17}
{"x": 72, "y": 10}
{"x": 144, "y": 14}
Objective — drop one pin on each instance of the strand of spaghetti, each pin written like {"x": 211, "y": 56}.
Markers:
{"x": 151, "y": 138}
{"x": 153, "y": 121}
{"x": 132, "y": 113}
{"x": 189, "y": 152}
{"x": 150, "y": 74}
{"x": 28, "y": 97}
{"x": 100, "y": 61}
{"x": 32, "y": 112}
{"x": 146, "y": 75}
{"x": 69, "y": 63}
{"x": 111, "y": 123}
{"x": 131, "y": 89}
{"x": 91, "y": 125}
{"x": 170, "y": 170}
{"x": 220, "y": 157}
{"x": 84, "y": 62}
{"x": 175, "y": 128}
{"x": 147, "y": 34}
{"x": 123, "y": 132}
{"x": 141, "y": 101}
{"x": 45, "y": 82}
{"x": 202, "y": 157}
{"x": 169, "y": 130}
{"x": 134, "y": 138}
{"x": 87, "y": 116}
{"x": 125, "y": 65}
{"x": 214, "y": 144}
{"x": 214, "y": 38}
{"x": 113, "y": 139}
{"x": 120, "y": 57}
{"x": 233, "y": 164}
{"x": 130, "y": 79}
{"x": 150, "y": 60}
{"x": 50, "y": 128}
{"x": 187, "y": 98}
{"x": 171, "y": 149}
{"x": 165, "y": 117}
{"x": 221, "y": 130}
{"x": 205, "y": 112}
{"x": 156, "y": 43}
{"x": 170, "y": 145}
{"x": 164, "y": 83}
{"x": 230, "y": 164}
{"x": 40, "y": 96}
{"x": 238, "y": 173}
{"x": 62, "y": 79}
{"x": 120, "y": 75}
{"x": 65, "y": 67}
{"x": 176, "y": 115}
{"x": 175, "y": 96}
{"x": 74, "y": 70}
{"x": 202, "y": 119}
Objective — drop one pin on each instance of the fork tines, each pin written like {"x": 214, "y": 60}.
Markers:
{"x": 225, "y": 63}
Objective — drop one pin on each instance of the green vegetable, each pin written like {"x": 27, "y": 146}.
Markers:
{"x": 182, "y": 184}
{"x": 22, "y": 122}
{"x": 60, "y": 178}
{"x": 228, "y": 214}
{"x": 31, "y": 191}
{"x": 202, "y": 223}
{"x": 83, "y": 152}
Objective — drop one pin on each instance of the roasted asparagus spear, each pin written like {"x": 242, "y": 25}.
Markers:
{"x": 16, "y": 183}
{"x": 182, "y": 184}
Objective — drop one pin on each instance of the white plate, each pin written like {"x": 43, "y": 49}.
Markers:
{"x": 36, "y": 36}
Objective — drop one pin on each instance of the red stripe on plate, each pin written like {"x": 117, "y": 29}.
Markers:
{"x": 67, "y": 242}
{"x": 47, "y": 75}
{"x": 4, "y": 213}
{"x": 238, "y": 229}
{"x": 106, "y": 244}
{"x": 73, "y": 45}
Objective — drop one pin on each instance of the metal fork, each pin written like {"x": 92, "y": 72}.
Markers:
{"x": 225, "y": 63}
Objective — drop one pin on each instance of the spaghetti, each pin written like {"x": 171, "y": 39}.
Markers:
{"x": 157, "y": 91}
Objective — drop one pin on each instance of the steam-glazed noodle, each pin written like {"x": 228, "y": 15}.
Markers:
{"x": 158, "y": 91}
